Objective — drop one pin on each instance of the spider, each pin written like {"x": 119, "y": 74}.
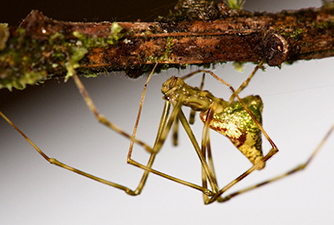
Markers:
{"x": 238, "y": 119}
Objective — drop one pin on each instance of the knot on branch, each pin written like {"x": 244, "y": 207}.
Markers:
{"x": 275, "y": 48}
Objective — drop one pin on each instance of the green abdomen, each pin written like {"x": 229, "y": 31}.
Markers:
{"x": 235, "y": 123}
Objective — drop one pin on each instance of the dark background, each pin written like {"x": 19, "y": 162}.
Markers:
{"x": 14, "y": 11}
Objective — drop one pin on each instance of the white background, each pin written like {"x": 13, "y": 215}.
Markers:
{"x": 298, "y": 111}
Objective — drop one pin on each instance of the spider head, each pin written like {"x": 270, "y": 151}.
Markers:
{"x": 171, "y": 88}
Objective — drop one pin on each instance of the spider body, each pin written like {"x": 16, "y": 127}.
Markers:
{"x": 229, "y": 118}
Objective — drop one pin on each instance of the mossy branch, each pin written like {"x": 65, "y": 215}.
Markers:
{"x": 37, "y": 50}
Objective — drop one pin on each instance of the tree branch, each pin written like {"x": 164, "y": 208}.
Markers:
{"x": 37, "y": 49}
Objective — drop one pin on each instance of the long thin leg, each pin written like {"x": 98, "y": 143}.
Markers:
{"x": 208, "y": 173}
{"x": 292, "y": 171}
{"x": 176, "y": 131}
{"x": 62, "y": 165}
{"x": 206, "y": 150}
{"x": 246, "y": 82}
{"x": 193, "y": 112}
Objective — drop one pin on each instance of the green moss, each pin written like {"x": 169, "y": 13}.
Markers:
{"x": 235, "y": 4}
{"x": 90, "y": 75}
{"x": 295, "y": 34}
{"x": 98, "y": 42}
{"x": 77, "y": 54}
{"x": 55, "y": 38}
{"x": 4, "y": 35}
{"x": 27, "y": 61}
{"x": 18, "y": 65}
{"x": 85, "y": 43}
{"x": 239, "y": 66}
{"x": 169, "y": 47}
{"x": 324, "y": 25}
{"x": 166, "y": 55}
